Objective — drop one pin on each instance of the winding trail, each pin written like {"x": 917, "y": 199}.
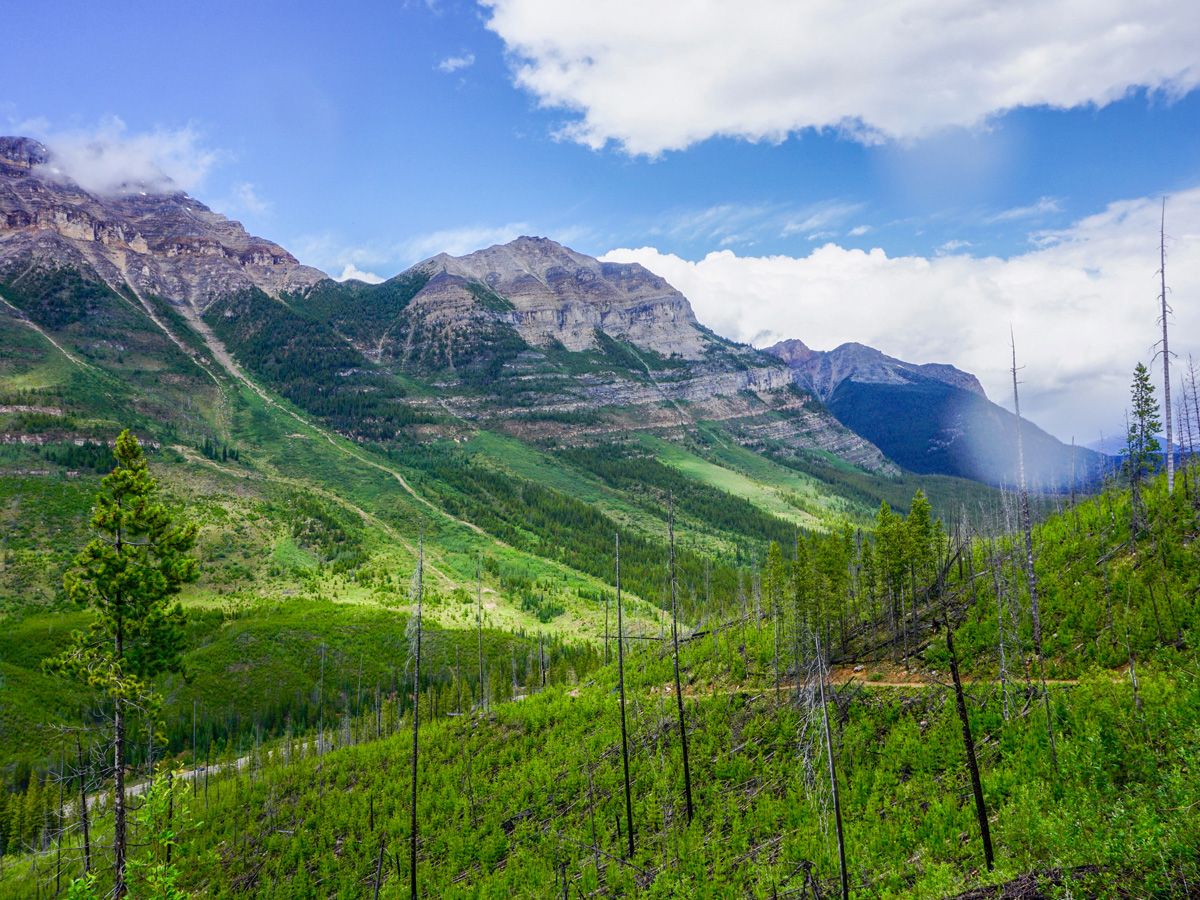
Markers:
{"x": 20, "y": 316}
{"x": 222, "y": 355}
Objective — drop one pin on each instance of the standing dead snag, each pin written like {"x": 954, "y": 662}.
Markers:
{"x": 418, "y": 591}
{"x": 965, "y": 720}
{"x": 1030, "y": 573}
{"x": 621, "y": 689}
{"x": 1166, "y": 349}
{"x": 687, "y": 772}
{"x": 833, "y": 783}
{"x": 479, "y": 628}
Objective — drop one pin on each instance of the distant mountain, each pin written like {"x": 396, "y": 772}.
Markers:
{"x": 932, "y": 418}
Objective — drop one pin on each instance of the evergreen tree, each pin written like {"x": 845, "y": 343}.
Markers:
{"x": 1141, "y": 442}
{"x": 139, "y": 559}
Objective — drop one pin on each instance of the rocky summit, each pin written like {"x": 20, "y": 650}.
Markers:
{"x": 562, "y": 297}
{"x": 168, "y": 245}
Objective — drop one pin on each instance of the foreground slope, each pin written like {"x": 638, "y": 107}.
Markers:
{"x": 526, "y": 799}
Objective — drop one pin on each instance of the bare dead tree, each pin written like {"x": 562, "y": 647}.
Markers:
{"x": 1166, "y": 349}
{"x": 965, "y": 720}
{"x": 479, "y": 629}
{"x": 419, "y": 592}
{"x": 833, "y": 782}
{"x": 1030, "y": 572}
{"x": 621, "y": 688}
{"x": 687, "y": 771}
{"x": 83, "y": 805}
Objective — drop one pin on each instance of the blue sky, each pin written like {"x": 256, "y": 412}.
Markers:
{"x": 374, "y": 134}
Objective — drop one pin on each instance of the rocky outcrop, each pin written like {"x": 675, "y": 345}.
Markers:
{"x": 166, "y": 244}
{"x": 552, "y": 294}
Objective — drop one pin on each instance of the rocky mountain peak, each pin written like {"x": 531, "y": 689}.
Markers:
{"x": 558, "y": 295}
{"x": 166, "y": 244}
{"x": 21, "y": 154}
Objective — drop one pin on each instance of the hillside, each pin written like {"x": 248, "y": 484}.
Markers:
{"x": 525, "y": 798}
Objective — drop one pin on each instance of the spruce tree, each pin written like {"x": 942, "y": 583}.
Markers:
{"x": 1141, "y": 442}
{"x": 127, "y": 574}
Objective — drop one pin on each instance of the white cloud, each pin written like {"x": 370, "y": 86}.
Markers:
{"x": 351, "y": 271}
{"x": 110, "y": 159}
{"x": 815, "y": 220}
{"x": 953, "y": 245}
{"x": 245, "y": 197}
{"x": 858, "y": 231}
{"x": 1043, "y": 207}
{"x": 452, "y": 64}
{"x": 651, "y": 78}
{"x": 1083, "y": 306}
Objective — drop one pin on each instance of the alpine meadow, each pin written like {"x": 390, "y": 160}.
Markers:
{"x": 567, "y": 567}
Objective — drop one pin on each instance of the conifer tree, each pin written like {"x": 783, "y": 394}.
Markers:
{"x": 139, "y": 559}
{"x": 1141, "y": 442}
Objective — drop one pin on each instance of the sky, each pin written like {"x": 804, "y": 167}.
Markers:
{"x": 919, "y": 176}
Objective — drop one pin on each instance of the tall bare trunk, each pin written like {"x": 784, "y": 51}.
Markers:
{"x": 687, "y": 772}
{"x": 969, "y": 745}
{"x": 119, "y": 819}
{"x": 1030, "y": 572}
{"x": 479, "y": 629}
{"x": 1166, "y": 349}
{"x": 412, "y": 858}
{"x": 83, "y": 807}
{"x": 833, "y": 782}
{"x": 621, "y": 687}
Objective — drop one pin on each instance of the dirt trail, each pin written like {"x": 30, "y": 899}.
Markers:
{"x": 230, "y": 364}
{"x": 368, "y": 517}
{"x": 20, "y": 316}
{"x": 174, "y": 338}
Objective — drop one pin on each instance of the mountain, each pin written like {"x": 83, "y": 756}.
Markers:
{"x": 933, "y": 418}
{"x": 560, "y": 297}
{"x": 529, "y": 337}
{"x": 168, "y": 245}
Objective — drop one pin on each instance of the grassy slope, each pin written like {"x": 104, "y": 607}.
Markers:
{"x": 506, "y": 802}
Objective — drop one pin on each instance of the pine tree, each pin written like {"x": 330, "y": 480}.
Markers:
{"x": 126, "y": 575}
{"x": 1141, "y": 442}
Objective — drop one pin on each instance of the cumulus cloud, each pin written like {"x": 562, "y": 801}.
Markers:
{"x": 110, "y": 159}
{"x": 650, "y": 79}
{"x": 1083, "y": 306}
{"x": 452, "y": 64}
{"x": 352, "y": 272}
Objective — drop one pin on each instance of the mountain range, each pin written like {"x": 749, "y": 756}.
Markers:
{"x": 528, "y": 339}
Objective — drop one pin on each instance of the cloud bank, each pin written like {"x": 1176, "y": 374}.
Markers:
{"x": 1083, "y": 306}
{"x": 651, "y": 78}
{"x": 109, "y": 158}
